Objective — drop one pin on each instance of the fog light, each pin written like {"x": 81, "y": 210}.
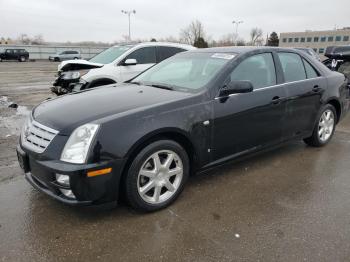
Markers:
{"x": 62, "y": 179}
{"x": 67, "y": 193}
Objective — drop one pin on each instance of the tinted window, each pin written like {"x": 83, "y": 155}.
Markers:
{"x": 310, "y": 71}
{"x": 296, "y": 40}
{"x": 309, "y": 39}
{"x": 292, "y": 66}
{"x": 145, "y": 55}
{"x": 258, "y": 69}
{"x": 338, "y": 38}
{"x": 346, "y": 38}
{"x": 302, "y": 39}
{"x": 164, "y": 52}
{"x": 330, "y": 39}
{"x": 315, "y": 39}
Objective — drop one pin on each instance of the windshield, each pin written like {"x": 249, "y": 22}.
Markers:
{"x": 185, "y": 72}
{"x": 109, "y": 55}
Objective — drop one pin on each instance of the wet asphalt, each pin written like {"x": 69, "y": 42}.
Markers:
{"x": 288, "y": 204}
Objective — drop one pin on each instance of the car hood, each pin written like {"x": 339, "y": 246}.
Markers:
{"x": 67, "y": 112}
{"x": 77, "y": 64}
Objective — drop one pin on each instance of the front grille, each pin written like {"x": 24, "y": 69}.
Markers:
{"x": 36, "y": 137}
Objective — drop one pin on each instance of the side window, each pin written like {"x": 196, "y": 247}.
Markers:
{"x": 145, "y": 55}
{"x": 258, "y": 69}
{"x": 164, "y": 52}
{"x": 292, "y": 66}
{"x": 310, "y": 71}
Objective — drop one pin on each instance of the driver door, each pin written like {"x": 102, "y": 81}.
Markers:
{"x": 145, "y": 57}
{"x": 247, "y": 121}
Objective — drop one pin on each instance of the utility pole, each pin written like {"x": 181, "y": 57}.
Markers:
{"x": 236, "y": 35}
{"x": 129, "y": 13}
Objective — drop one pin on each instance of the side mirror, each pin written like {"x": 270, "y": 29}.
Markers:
{"x": 129, "y": 62}
{"x": 237, "y": 86}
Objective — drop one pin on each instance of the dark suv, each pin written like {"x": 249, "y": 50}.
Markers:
{"x": 14, "y": 54}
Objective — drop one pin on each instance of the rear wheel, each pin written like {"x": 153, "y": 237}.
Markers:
{"x": 22, "y": 59}
{"x": 157, "y": 176}
{"x": 324, "y": 128}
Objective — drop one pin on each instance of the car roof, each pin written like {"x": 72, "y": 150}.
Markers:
{"x": 144, "y": 44}
{"x": 243, "y": 49}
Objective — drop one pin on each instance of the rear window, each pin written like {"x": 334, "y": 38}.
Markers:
{"x": 293, "y": 67}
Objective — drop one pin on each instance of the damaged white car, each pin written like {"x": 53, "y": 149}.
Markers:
{"x": 114, "y": 65}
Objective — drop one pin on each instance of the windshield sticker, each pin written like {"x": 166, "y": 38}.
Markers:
{"x": 223, "y": 56}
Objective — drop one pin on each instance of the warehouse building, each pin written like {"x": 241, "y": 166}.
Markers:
{"x": 317, "y": 40}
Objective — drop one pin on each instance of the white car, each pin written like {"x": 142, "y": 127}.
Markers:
{"x": 114, "y": 65}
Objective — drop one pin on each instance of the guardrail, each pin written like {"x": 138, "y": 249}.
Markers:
{"x": 44, "y": 51}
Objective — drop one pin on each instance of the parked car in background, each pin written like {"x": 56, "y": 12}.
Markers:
{"x": 191, "y": 112}
{"x": 114, "y": 65}
{"x": 20, "y": 55}
{"x": 310, "y": 52}
{"x": 338, "y": 59}
{"x": 65, "y": 55}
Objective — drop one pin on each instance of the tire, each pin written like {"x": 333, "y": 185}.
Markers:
{"x": 144, "y": 176}
{"x": 56, "y": 59}
{"x": 22, "y": 59}
{"x": 0, "y": 59}
{"x": 319, "y": 138}
{"x": 76, "y": 58}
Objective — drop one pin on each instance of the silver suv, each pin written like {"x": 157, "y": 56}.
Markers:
{"x": 65, "y": 55}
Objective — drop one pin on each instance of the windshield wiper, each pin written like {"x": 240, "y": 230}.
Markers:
{"x": 161, "y": 86}
{"x": 135, "y": 83}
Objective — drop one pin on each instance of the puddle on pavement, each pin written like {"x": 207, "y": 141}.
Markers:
{"x": 11, "y": 119}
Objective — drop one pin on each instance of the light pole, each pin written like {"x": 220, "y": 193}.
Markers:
{"x": 236, "y": 35}
{"x": 129, "y": 13}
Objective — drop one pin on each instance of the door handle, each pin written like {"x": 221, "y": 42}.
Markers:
{"x": 316, "y": 89}
{"x": 276, "y": 100}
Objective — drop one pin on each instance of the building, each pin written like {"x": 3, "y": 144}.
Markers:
{"x": 317, "y": 40}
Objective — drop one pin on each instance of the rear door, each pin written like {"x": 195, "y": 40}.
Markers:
{"x": 145, "y": 57}
{"x": 304, "y": 87}
{"x": 248, "y": 121}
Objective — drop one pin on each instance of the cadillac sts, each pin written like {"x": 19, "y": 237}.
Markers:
{"x": 196, "y": 110}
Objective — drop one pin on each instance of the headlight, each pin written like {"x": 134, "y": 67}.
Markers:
{"x": 74, "y": 74}
{"x": 78, "y": 144}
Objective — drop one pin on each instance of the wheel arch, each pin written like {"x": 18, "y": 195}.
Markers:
{"x": 336, "y": 103}
{"x": 103, "y": 80}
{"x": 173, "y": 134}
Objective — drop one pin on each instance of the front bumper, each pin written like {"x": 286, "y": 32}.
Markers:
{"x": 87, "y": 190}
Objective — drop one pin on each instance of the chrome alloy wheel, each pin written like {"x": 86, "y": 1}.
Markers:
{"x": 160, "y": 177}
{"x": 326, "y": 125}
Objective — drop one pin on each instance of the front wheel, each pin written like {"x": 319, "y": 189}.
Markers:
{"x": 324, "y": 128}
{"x": 157, "y": 176}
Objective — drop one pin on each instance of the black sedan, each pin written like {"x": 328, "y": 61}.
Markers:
{"x": 191, "y": 112}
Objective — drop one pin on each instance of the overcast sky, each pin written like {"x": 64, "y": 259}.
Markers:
{"x": 102, "y": 20}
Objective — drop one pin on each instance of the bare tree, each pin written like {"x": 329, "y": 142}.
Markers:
{"x": 256, "y": 36}
{"x": 24, "y": 39}
{"x": 192, "y": 32}
{"x": 226, "y": 40}
{"x": 38, "y": 40}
